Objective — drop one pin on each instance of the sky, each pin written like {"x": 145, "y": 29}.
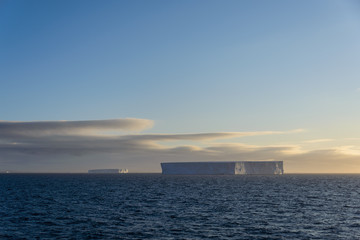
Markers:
{"x": 131, "y": 84}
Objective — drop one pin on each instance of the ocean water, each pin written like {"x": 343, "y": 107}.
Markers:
{"x": 153, "y": 206}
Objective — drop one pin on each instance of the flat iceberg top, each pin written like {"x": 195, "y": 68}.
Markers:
{"x": 263, "y": 161}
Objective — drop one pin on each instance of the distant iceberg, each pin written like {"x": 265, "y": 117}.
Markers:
{"x": 107, "y": 171}
{"x": 223, "y": 168}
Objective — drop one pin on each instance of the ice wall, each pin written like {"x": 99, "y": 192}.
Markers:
{"x": 223, "y": 168}
{"x": 104, "y": 171}
{"x": 257, "y": 167}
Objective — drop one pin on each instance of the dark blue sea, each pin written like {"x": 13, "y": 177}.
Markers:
{"x": 153, "y": 206}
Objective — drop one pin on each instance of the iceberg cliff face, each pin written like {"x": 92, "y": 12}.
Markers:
{"x": 265, "y": 167}
{"x": 103, "y": 171}
{"x": 223, "y": 168}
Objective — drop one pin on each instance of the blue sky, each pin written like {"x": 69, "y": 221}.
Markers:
{"x": 190, "y": 66}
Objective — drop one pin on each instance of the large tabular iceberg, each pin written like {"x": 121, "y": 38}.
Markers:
{"x": 223, "y": 168}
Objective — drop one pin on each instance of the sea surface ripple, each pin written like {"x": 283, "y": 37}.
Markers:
{"x": 154, "y": 206}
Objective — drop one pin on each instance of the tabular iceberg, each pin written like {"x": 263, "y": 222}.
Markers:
{"x": 223, "y": 168}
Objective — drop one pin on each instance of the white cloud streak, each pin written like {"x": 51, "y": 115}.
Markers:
{"x": 319, "y": 140}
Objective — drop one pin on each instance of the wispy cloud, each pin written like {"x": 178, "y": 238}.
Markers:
{"x": 82, "y": 137}
{"x": 348, "y": 150}
{"x": 319, "y": 140}
{"x": 79, "y": 145}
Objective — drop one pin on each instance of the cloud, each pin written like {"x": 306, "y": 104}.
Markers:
{"x": 65, "y": 146}
{"x": 84, "y": 146}
{"x": 204, "y": 136}
{"x": 348, "y": 150}
{"x": 9, "y": 129}
{"x": 79, "y": 138}
{"x": 319, "y": 140}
